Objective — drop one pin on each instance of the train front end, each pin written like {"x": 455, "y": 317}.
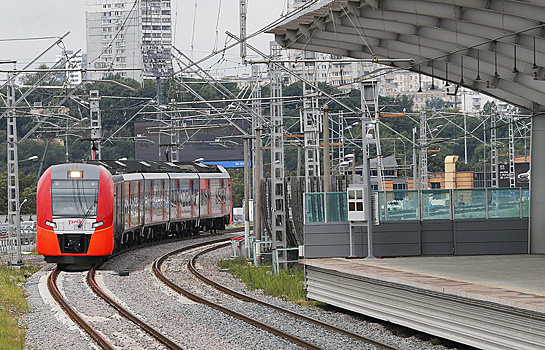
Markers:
{"x": 75, "y": 214}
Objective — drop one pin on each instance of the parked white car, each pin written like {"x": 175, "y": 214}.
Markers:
{"x": 28, "y": 232}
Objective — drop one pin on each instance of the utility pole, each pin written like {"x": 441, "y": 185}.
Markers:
{"x": 243, "y": 11}
{"x": 96, "y": 126}
{"x": 245, "y": 145}
{"x": 423, "y": 152}
{"x": 257, "y": 200}
{"x": 278, "y": 199}
{"x": 465, "y": 124}
{"x": 14, "y": 218}
{"x": 368, "y": 95}
{"x": 493, "y": 151}
{"x": 257, "y": 162}
{"x": 415, "y": 171}
{"x": 174, "y": 133}
{"x": 511, "y": 121}
{"x": 327, "y": 171}
{"x": 310, "y": 127}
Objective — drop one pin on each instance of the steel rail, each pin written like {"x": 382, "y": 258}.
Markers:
{"x": 157, "y": 270}
{"x": 97, "y": 337}
{"x": 127, "y": 314}
{"x": 191, "y": 266}
{"x": 55, "y": 293}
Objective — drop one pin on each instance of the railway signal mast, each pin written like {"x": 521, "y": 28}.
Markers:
{"x": 14, "y": 219}
{"x": 96, "y": 126}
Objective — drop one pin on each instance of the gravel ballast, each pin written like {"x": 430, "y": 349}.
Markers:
{"x": 190, "y": 325}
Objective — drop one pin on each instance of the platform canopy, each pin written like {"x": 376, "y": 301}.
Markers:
{"x": 495, "y": 47}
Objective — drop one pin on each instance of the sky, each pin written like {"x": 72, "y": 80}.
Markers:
{"x": 195, "y": 23}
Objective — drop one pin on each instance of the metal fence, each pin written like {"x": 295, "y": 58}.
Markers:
{"x": 479, "y": 203}
{"x": 8, "y": 245}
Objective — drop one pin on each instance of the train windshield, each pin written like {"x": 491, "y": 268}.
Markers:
{"x": 74, "y": 198}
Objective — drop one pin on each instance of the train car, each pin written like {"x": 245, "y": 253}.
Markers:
{"x": 87, "y": 211}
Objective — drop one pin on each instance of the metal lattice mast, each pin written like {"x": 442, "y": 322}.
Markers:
{"x": 174, "y": 134}
{"x": 380, "y": 166}
{"x": 14, "y": 229}
{"x": 310, "y": 127}
{"x": 341, "y": 149}
{"x": 96, "y": 126}
{"x": 257, "y": 164}
{"x": 493, "y": 152}
{"x": 256, "y": 122}
{"x": 243, "y": 11}
{"x": 510, "y": 120}
{"x": 423, "y": 152}
{"x": 278, "y": 200}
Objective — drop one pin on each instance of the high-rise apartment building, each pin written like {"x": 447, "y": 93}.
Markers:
{"x": 76, "y": 65}
{"x": 129, "y": 34}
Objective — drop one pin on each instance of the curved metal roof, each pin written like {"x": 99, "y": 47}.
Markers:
{"x": 499, "y": 41}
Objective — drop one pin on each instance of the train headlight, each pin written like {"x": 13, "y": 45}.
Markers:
{"x": 51, "y": 224}
{"x": 75, "y": 174}
{"x": 97, "y": 224}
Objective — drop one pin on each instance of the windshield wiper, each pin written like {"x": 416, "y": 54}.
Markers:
{"x": 89, "y": 210}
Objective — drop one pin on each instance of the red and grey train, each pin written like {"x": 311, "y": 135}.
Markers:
{"x": 87, "y": 211}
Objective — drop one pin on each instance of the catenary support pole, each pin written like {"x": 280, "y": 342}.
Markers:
{"x": 327, "y": 171}
{"x": 257, "y": 213}
{"x": 245, "y": 142}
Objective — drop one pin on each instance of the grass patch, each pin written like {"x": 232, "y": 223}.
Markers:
{"x": 12, "y": 305}
{"x": 287, "y": 284}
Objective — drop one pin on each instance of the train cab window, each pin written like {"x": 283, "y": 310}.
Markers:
{"x": 74, "y": 197}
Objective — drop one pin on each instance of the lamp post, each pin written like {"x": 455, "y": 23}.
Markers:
{"x": 352, "y": 158}
{"x": 31, "y": 158}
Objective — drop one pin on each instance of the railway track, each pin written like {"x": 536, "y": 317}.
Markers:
{"x": 128, "y": 315}
{"x": 99, "y": 339}
{"x": 79, "y": 320}
{"x": 193, "y": 269}
{"x": 218, "y": 244}
{"x": 88, "y": 328}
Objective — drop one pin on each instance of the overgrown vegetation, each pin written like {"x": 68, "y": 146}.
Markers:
{"x": 287, "y": 284}
{"x": 12, "y": 305}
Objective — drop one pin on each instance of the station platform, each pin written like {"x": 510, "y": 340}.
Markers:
{"x": 490, "y": 302}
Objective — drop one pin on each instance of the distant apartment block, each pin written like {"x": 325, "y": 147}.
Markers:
{"x": 75, "y": 65}
{"x": 124, "y": 34}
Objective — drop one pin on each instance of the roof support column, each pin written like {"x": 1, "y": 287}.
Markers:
{"x": 536, "y": 239}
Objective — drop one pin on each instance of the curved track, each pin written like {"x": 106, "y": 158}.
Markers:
{"x": 191, "y": 267}
{"x": 53, "y": 289}
{"x": 157, "y": 270}
{"x": 127, "y": 314}
{"x": 88, "y": 328}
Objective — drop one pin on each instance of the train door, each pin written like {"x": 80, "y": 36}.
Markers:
{"x": 127, "y": 204}
{"x": 165, "y": 198}
{"x": 137, "y": 214}
{"x": 119, "y": 208}
{"x": 216, "y": 196}
{"x": 157, "y": 210}
{"x": 195, "y": 197}
{"x": 229, "y": 199}
{"x": 223, "y": 187}
{"x": 175, "y": 198}
{"x": 148, "y": 201}
{"x": 204, "y": 206}
{"x": 185, "y": 199}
